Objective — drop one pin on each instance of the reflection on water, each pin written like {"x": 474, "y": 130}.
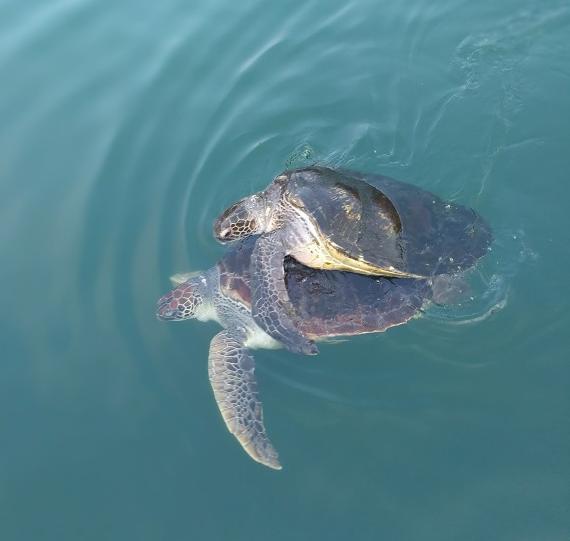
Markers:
{"x": 126, "y": 127}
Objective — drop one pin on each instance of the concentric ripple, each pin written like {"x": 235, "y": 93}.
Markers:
{"x": 167, "y": 130}
{"x": 127, "y": 126}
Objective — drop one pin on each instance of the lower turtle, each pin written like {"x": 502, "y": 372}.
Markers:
{"x": 344, "y": 220}
{"x": 330, "y": 304}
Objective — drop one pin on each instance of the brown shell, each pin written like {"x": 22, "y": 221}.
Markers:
{"x": 389, "y": 223}
{"x": 330, "y": 303}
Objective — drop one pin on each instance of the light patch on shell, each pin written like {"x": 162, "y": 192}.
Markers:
{"x": 350, "y": 211}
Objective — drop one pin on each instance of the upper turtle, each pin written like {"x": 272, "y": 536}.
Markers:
{"x": 350, "y": 221}
{"x": 329, "y": 304}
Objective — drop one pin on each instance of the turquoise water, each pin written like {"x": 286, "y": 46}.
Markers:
{"x": 126, "y": 127}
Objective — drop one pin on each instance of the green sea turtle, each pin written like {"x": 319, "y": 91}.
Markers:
{"x": 329, "y": 304}
{"x": 344, "y": 220}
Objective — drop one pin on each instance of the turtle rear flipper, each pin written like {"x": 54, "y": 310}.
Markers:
{"x": 271, "y": 307}
{"x": 231, "y": 370}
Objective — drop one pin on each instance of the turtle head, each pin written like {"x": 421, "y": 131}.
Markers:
{"x": 245, "y": 218}
{"x": 191, "y": 299}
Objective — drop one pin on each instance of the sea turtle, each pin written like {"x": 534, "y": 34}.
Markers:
{"x": 344, "y": 220}
{"x": 329, "y": 303}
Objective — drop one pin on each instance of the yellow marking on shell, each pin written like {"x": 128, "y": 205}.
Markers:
{"x": 343, "y": 261}
{"x": 322, "y": 253}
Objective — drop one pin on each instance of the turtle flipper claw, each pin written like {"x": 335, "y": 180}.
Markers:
{"x": 293, "y": 341}
{"x": 271, "y": 307}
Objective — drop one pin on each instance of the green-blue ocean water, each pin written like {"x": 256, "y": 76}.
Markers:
{"x": 127, "y": 126}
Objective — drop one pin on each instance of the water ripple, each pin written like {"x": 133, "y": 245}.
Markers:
{"x": 187, "y": 135}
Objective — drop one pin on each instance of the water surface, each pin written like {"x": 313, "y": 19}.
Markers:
{"x": 126, "y": 127}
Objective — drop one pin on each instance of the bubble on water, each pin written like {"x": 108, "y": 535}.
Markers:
{"x": 302, "y": 155}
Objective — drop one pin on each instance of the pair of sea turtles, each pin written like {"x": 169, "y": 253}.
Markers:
{"x": 320, "y": 253}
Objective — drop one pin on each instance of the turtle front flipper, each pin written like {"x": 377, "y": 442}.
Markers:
{"x": 231, "y": 370}
{"x": 271, "y": 307}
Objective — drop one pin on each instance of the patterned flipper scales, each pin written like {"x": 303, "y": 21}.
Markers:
{"x": 231, "y": 370}
{"x": 271, "y": 307}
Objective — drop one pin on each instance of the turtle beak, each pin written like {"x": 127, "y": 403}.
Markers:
{"x": 167, "y": 308}
{"x": 223, "y": 225}
{"x": 240, "y": 220}
{"x": 178, "y": 304}
{"x": 223, "y": 235}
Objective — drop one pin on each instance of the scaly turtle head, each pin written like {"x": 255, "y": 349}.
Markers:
{"x": 246, "y": 217}
{"x": 252, "y": 215}
{"x": 190, "y": 299}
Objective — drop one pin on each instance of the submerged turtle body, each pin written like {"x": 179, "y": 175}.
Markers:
{"x": 330, "y": 304}
{"x": 333, "y": 303}
{"x": 344, "y": 220}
